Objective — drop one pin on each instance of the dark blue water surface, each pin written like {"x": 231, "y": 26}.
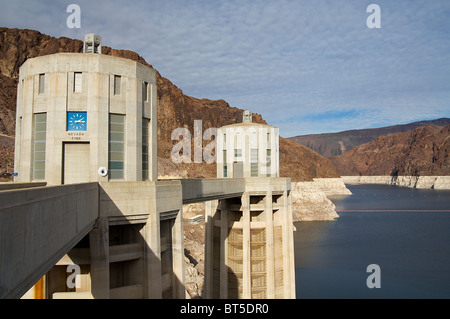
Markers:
{"x": 404, "y": 231}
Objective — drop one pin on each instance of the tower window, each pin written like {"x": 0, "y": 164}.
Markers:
{"x": 269, "y": 162}
{"x": 39, "y": 145}
{"x": 225, "y": 168}
{"x": 116, "y": 154}
{"x": 145, "y": 144}
{"x": 254, "y": 162}
{"x": 145, "y": 92}
{"x": 238, "y": 154}
{"x": 77, "y": 82}
{"x": 41, "y": 83}
{"x": 117, "y": 84}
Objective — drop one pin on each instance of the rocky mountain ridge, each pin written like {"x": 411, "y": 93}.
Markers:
{"x": 333, "y": 144}
{"x": 424, "y": 151}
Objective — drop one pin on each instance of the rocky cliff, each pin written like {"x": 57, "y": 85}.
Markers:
{"x": 310, "y": 200}
{"x": 424, "y": 151}
{"x": 333, "y": 144}
{"x": 6, "y": 156}
{"x": 175, "y": 109}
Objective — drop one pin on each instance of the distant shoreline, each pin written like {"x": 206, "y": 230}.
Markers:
{"x": 310, "y": 200}
{"x": 420, "y": 182}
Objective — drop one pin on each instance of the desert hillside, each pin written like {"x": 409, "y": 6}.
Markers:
{"x": 333, "y": 144}
{"x": 424, "y": 151}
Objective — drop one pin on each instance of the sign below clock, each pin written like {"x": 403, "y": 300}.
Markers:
{"x": 76, "y": 121}
{"x": 76, "y": 136}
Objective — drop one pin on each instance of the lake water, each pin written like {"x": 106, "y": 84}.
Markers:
{"x": 404, "y": 231}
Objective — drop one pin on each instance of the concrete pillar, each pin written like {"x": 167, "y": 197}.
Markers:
{"x": 99, "y": 249}
{"x": 270, "y": 261}
{"x": 210, "y": 211}
{"x": 133, "y": 134}
{"x": 152, "y": 254}
{"x": 224, "y": 249}
{"x": 178, "y": 257}
{"x": 246, "y": 267}
{"x": 291, "y": 243}
{"x": 153, "y": 134}
{"x": 288, "y": 249}
{"x": 56, "y": 116}
{"x": 98, "y": 86}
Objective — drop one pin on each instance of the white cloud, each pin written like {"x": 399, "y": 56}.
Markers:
{"x": 279, "y": 58}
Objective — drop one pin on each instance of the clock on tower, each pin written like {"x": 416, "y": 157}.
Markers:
{"x": 76, "y": 121}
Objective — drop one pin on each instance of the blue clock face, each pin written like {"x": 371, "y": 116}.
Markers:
{"x": 76, "y": 121}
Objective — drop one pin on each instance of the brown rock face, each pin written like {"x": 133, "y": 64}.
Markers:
{"x": 303, "y": 164}
{"x": 420, "y": 152}
{"x": 8, "y": 92}
{"x": 6, "y": 156}
{"x": 175, "y": 109}
{"x": 333, "y": 144}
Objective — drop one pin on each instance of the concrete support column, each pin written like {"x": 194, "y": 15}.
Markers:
{"x": 99, "y": 248}
{"x": 246, "y": 248}
{"x": 152, "y": 255}
{"x": 178, "y": 257}
{"x": 288, "y": 249}
{"x": 224, "y": 249}
{"x": 98, "y": 86}
{"x": 56, "y": 97}
{"x": 133, "y": 129}
{"x": 291, "y": 243}
{"x": 210, "y": 211}
{"x": 270, "y": 261}
{"x": 153, "y": 134}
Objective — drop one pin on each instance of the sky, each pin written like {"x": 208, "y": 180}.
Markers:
{"x": 307, "y": 67}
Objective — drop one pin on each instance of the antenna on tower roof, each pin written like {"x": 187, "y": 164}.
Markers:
{"x": 92, "y": 43}
{"x": 247, "y": 116}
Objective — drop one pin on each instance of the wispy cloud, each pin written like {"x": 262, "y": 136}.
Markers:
{"x": 304, "y": 65}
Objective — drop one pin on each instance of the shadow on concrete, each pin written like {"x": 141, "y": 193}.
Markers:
{"x": 38, "y": 226}
{"x": 221, "y": 282}
{"x": 122, "y": 256}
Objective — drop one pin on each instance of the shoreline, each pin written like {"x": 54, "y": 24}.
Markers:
{"x": 310, "y": 200}
{"x": 419, "y": 182}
